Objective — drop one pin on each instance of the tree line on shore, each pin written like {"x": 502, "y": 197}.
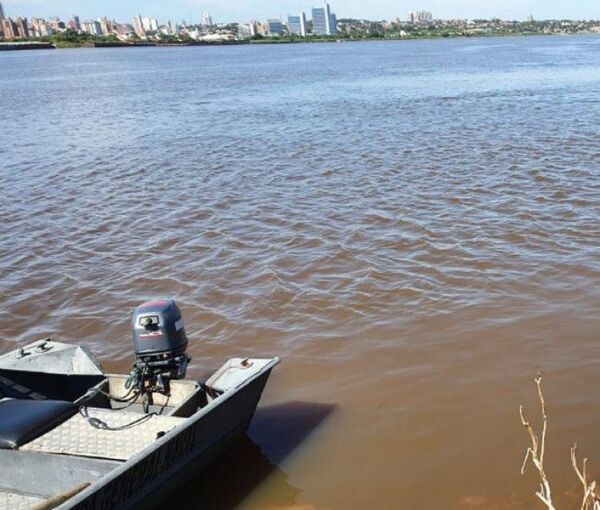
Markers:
{"x": 350, "y": 29}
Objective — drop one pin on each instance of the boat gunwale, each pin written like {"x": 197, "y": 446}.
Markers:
{"x": 167, "y": 438}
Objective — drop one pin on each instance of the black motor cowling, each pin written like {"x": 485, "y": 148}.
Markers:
{"x": 158, "y": 329}
{"x": 159, "y": 338}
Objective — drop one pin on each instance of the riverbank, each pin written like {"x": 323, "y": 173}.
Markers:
{"x": 398, "y": 38}
{"x": 12, "y": 46}
{"x": 91, "y": 43}
{"x": 111, "y": 44}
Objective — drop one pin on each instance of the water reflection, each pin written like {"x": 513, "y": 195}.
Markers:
{"x": 274, "y": 434}
{"x": 281, "y": 428}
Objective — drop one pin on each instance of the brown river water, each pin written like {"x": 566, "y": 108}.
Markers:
{"x": 411, "y": 226}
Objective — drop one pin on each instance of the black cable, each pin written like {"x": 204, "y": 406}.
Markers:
{"x": 164, "y": 405}
{"x": 135, "y": 387}
{"x": 97, "y": 423}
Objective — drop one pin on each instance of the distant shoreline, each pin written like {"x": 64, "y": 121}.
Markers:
{"x": 415, "y": 38}
{"x": 21, "y": 45}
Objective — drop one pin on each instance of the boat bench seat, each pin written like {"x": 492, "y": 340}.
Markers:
{"x": 22, "y": 421}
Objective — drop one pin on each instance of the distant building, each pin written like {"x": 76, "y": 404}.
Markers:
{"x": 56, "y": 24}
{"x": 36, "y": 27}
{"x": 275, "y": 27}
{"x": 297, "y": 25}
{"x": 333, "y": 24}
{"x": 293, "y": 23}
{"x": 303, "y": 30}
{"x": 262, "y": 28}
{"x": 320, "y": 24}
{"x": 246, "y": 31}
{"x": 207, "y": 20}
{"x": 138, "y": 26}
{"x": 150, "y": 24}
{"x": 217, "y": 37}
{"x": 420, "y": 17}
{"x": 1, "y": 24}
{"x": 22, "y": 29}
{"x": 9, "y": 29}
{"x": 105, "y": 26}
{"x": 74, "y": 23}
{"x": 324, "y": 21}
{"x": 122, "y": 30}
{"x": 92, "y": 27}
{"x": 40, "y": 28}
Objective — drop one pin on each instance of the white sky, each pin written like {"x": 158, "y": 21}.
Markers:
{"x": 244, "y": 10}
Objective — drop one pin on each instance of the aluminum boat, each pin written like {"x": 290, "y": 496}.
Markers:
{"x": 74, "y": 437}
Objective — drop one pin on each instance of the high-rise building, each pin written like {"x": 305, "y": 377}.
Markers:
{"x": 45, "y": 29}
{"x": 9, "y": 29}
{"x": 74, "y": 23}
{"x": 138, "y": 26}
{"x": 420, "y": 17}
{"x": 327, "y": 17}
{"x": 92, "y": 27}
{"x": 275, "y": 26}
{"x": 36, "y": 27}
{"x": 303, "y": 30}
{"x": 324, "y": 21}
{"x": 121, "y": 29}
{"x": 207, "y": 20}
{"x": 56, "y": 24}
{"x": 297, "y": 25}
{"x": 1, "y": 20}
{"x": 333, "y": 24}
{"x": 105, "y": 25}
{"x": 293, "y": 23}
{"x": 22, "y": 29}
{"x": 245, "y": 31}
{"x": 319, "y": 21}
{"x": 5, "y": 28}
{"x": 150, "y": 24}
{"x": 40, "y": 28}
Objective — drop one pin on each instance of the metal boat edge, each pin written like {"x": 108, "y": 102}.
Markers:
{"x": 74, "y": 437}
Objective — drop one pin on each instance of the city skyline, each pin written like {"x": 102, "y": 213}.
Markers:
{"x": 240, "y": 11}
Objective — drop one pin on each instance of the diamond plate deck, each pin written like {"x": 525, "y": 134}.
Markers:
{"x": 13, "y": 501}
{"x": 77, "y": 437}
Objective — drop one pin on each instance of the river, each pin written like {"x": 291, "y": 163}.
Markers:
{"x": 412, "y": 226}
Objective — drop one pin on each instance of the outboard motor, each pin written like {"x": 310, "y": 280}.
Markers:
{"x": 160, "y": 345}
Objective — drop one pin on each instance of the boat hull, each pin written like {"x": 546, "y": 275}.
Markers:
{"x": 147, "y": 479}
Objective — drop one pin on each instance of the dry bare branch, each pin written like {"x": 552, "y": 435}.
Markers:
{"x": 538, "y": 383}
{"x": 590, "y": 500}
{"x": 533, "y": 449}
{"x": 581, "y": 475}
{"x": 536, "y": 453}
{"x": 538, "y": 448}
